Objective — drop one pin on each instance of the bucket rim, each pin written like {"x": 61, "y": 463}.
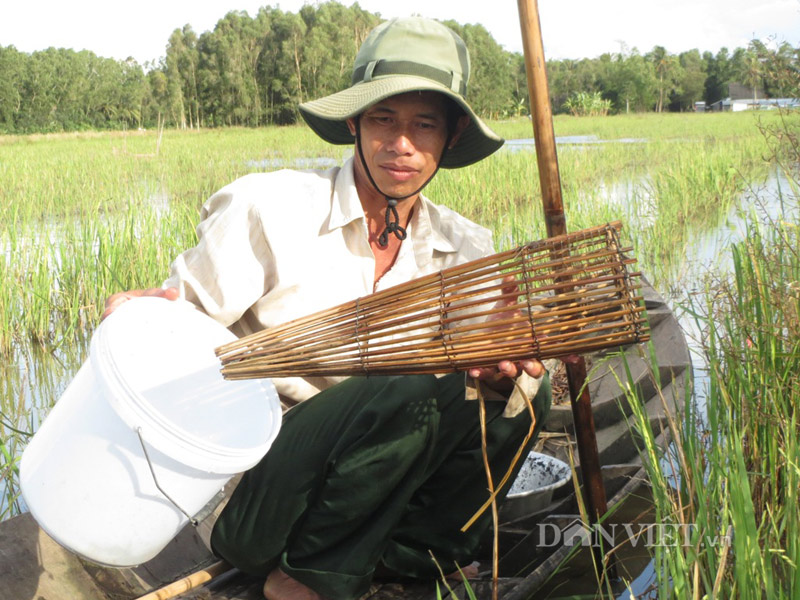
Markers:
{"x": 558, "y": 464}
{"x": 164, "y": 435}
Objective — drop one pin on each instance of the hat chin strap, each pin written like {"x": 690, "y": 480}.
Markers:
{"x": 390, "y": 216}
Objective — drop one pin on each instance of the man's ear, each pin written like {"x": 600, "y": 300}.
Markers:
{"x": 351, "y": 125}
{"x": 461, "y": 125}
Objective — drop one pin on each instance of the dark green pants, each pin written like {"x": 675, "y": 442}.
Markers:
{"x": 378, "y": 469}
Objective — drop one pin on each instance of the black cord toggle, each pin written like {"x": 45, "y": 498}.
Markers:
{"x": 392, "y": 219}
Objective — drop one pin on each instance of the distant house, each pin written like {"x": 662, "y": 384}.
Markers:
{"x": 741, "y": 97}
{"x": 741, "y": 104}
{"x": 737, "y": 91}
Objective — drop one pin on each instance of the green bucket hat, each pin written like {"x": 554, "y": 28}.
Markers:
{"x": 398, "y": 56}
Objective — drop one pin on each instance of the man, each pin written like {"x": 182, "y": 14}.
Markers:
{"x": 374, "y": 472}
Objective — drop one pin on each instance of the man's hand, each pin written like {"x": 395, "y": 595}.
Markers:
{"x": 507, "y": 369}
{"x": 115, "y": 300}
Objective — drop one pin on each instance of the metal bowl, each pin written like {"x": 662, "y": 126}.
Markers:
{"x": 532, "y": 490}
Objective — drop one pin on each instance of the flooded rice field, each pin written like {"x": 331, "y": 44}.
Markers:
{"x": 34, "y": 378}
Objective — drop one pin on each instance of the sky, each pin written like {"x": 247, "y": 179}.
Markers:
{"x": 570, "y": 28}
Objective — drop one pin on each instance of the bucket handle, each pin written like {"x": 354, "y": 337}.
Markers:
{"x": 192, "y": 520}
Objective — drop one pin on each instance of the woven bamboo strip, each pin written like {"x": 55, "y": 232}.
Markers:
{"x": 384, "y": 338}
{"x": 383, "y": 343}
{"x": 513, "y": 330}
{"x": 548, "y": 298}
{"x": 453, "y": 305}
{"x": 385, "y": 297}
{"x": 344, "y": 317}
{"x": 378, "y": 339}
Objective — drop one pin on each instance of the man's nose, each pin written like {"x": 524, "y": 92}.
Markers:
{"x": 401, "y": 142}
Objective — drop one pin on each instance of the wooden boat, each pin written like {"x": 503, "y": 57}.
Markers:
{"x": 34, "y": 566}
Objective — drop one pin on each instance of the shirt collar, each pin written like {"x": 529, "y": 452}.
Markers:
{"x": 346, "y": 206}
{"x": 425, "y": 230}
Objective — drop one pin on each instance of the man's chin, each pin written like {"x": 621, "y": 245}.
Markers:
{"x": 403, "y": 190}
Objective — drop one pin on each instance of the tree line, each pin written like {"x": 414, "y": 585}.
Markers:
{"x": 253, "y": 71}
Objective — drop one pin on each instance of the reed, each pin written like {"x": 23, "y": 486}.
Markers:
{"x": 733, "y": 470}
{"x": 15, "y": 429}
{"x": 677, "y": 175}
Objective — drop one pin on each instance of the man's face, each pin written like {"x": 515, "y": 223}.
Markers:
{"x": 402, "y": 139}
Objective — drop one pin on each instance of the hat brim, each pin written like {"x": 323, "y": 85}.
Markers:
{"x": 327, "y": 116}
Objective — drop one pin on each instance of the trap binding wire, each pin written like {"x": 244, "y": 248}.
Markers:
{"x": 570, "y": 294}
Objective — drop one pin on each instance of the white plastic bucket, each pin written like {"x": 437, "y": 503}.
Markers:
{"x": 152, "y": 379}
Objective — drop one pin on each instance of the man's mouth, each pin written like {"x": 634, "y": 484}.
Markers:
{"x": 399, "y": 172}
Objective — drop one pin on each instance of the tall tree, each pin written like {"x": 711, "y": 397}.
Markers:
{"x": 280, "y": 78}
{"x": 491, "y": 70}
{"x": 719, "y": 71}
{"x": 667, "y": 70}
{"x": 568, "y": 77}
{"x": 227, "y": 65}
{"x": 748, "y": 68}
{"x": 692, "y": 80}
{"x": 781, "y": 72}
{"x": 12, "y": 72}
{"x": 328, "y": 49}
{"x": 181, "y": 65}
{"x": 628, "y": 79}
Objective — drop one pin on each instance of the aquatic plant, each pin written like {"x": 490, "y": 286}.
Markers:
{"x": 734, "y": 466}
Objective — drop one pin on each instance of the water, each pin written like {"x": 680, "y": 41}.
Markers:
{"x": 633, "y": 560}
{"x": 529, "y": 144}
{"x": 709, "y": 255}
{"x": 32, "y": 381}
{"x": 294, "y": 163}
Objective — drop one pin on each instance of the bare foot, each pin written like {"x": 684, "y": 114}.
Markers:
{"x": 470, "y": 572}
{"x": 279, "y": 586}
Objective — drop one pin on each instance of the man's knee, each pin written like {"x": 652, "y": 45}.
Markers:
{"x": 409, "y": 407}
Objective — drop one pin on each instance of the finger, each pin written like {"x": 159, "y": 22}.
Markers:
{"x": 112, "y": 305}
{"x": 116, "y": 300}
{"x": 168, "y": 293}
{"x": 509, "y": 291}
{"x": 506, "y": 368}
{"x": 570, "y": 359}
{"x": 482, "y": 372}
{"x": 533, "y": 368}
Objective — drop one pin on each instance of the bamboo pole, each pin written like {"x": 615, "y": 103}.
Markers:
{"x": 555, "y": 221}
{"x": 189, "y": 582}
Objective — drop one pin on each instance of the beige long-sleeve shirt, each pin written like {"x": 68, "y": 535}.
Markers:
{"x": 273, "y": 247}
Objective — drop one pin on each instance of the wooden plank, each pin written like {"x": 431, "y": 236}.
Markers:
{"x": 32, "y": 565}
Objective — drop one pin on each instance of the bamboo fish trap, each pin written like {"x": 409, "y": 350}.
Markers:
{"x": 563, "y": 295}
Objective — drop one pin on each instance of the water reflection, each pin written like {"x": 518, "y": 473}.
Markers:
{"x": 529, "y": 144}
{"x": 295, "y": 163}
{"x": 709, "y": 250}
{"x": 32, "y": 381}
{"x": 514, "y": 145}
